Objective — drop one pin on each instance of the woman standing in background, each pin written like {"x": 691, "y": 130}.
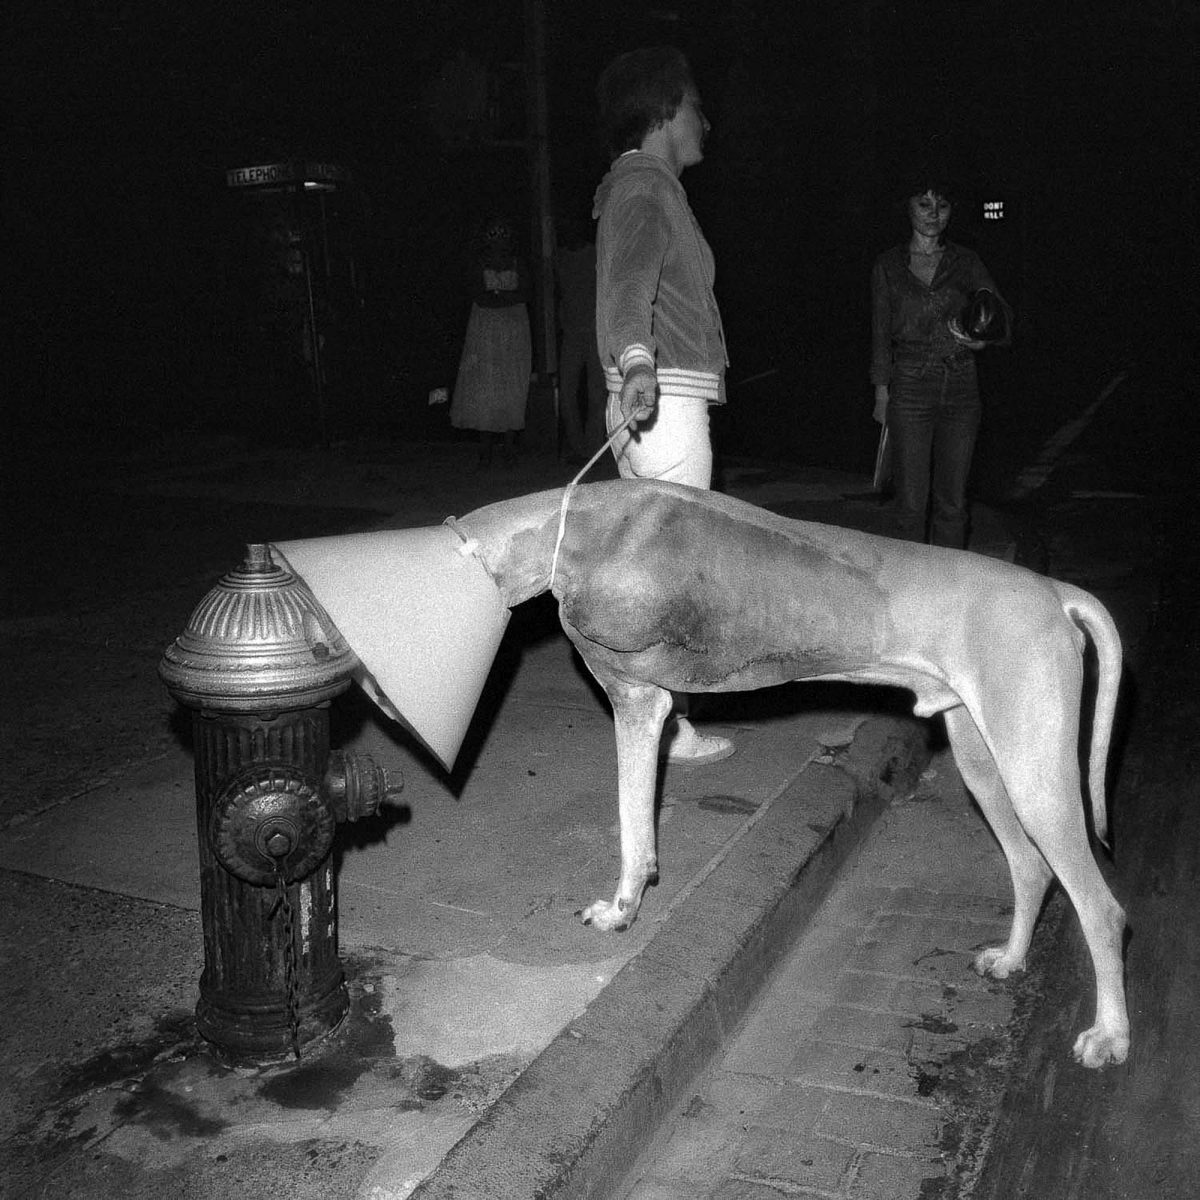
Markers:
{"x": 923, "y": 366}
{"x": 492, "y": 387}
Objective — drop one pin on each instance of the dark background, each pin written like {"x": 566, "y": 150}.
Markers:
{"x": 147, "y": 298}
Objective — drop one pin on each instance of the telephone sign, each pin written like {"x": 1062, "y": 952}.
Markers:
{"x": 284, "y": 172}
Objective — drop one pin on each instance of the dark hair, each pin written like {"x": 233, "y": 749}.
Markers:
{"x": 922, "y": 179}
{"x": 639, "y": 91}
{"x": 928, "y": 179}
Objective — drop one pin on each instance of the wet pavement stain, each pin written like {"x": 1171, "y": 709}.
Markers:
{"x": 32, "y": 1153}
{"x": 967, "y": 1088}
{"x": 427, "y": 1079}
{"x": 174, "y": 1089}
{"x": 963, "y": 1068}
{"x": 81, "y": 1106}
{"x": 163, "y": 1114}
{"x": 362, "y": 1051}
{"x": 170, "y": 1116}
{"x": 315, "y": 1085}
{"x": 258, "y": 1169}
{"x": 931, "y": 1023}
{"x": 728, "y": 805}
{"x": 174, "y": 1034}
{"x": 330, "y": 1070}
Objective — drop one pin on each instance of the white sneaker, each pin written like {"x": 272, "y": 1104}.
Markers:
{"x": 685, "y": 746}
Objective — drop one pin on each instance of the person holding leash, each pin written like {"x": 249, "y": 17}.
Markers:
{"x": 658, "y": 329}
{"x": 923, "y": 365}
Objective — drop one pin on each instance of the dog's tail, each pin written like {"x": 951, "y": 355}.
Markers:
{"x": 1090, "y": 615}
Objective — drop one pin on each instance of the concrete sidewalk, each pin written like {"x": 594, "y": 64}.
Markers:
{"x": 495, "y": 1046}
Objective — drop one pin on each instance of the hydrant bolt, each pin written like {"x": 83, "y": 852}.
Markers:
{"x": 279, "y": 845}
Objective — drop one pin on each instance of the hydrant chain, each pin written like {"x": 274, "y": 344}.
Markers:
{"x": 291, "y": 986}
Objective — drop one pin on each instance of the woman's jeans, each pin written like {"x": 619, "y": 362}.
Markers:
{"x": 933, "y": 418}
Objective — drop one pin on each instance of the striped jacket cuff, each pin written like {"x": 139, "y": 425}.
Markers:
{"x": 675, "y": 381}
{"x": 636, "y": 355}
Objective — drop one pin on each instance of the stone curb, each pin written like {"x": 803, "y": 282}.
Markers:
{"x": 573, "y": 1123}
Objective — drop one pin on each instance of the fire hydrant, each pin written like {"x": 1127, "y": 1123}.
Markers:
{"x": 259, "y": 663}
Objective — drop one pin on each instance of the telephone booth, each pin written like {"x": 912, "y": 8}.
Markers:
{"x": 292, "y": 295}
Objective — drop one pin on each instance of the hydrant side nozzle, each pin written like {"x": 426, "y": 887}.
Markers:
{"x": 355, "y": 785}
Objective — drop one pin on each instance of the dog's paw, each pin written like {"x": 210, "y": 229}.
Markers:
{"x": 996, "y": 962}
{"x": 609, "y": 916}
{"x": 1096, "y": 1047}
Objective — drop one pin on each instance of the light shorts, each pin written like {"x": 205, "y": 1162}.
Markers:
{"x": 675, "y": 446}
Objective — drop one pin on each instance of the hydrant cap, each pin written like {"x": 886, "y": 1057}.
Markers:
{"x": 259, "y": 639}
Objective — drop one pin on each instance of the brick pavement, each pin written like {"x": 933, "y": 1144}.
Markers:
{"x": 847, "y": 1079}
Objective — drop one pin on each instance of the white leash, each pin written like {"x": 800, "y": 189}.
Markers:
{"x": 587, "y": 466}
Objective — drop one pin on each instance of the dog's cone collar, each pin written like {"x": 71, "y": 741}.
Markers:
{"x": 421, "y": 613}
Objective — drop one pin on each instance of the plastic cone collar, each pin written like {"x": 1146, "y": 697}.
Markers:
{"x": 423, "y": 617}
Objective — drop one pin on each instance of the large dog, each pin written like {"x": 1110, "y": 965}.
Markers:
{"x": 667, "y": 589}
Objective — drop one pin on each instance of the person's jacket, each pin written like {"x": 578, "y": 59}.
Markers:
{"x": 654, "y": 282}
{"x": 908, "y": 316}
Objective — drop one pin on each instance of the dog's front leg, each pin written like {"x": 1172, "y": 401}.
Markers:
{"x": 639, "y": 711}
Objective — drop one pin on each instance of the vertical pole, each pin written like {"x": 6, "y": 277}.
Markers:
{"x": 314, "y": 340}
{"x": 539, "y": 165}
{"x": 863, "y": 107}
{"x": 300, "y": 214}
{"x": 546, "y": 330}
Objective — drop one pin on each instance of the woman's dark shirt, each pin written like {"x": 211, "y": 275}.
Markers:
{"x": 908, "y": 316}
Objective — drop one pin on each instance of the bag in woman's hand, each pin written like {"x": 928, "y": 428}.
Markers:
{"x": 984, "y": 318}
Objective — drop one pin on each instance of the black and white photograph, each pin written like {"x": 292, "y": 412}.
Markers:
{"x": 599, "y": 600}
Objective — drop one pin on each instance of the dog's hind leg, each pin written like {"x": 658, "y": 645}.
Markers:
{"x": 1040, "y": 776}
{"x": 639, "y": 711}
{"x": 1055, "y": 821}
{"x": 1030, "y": 874}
